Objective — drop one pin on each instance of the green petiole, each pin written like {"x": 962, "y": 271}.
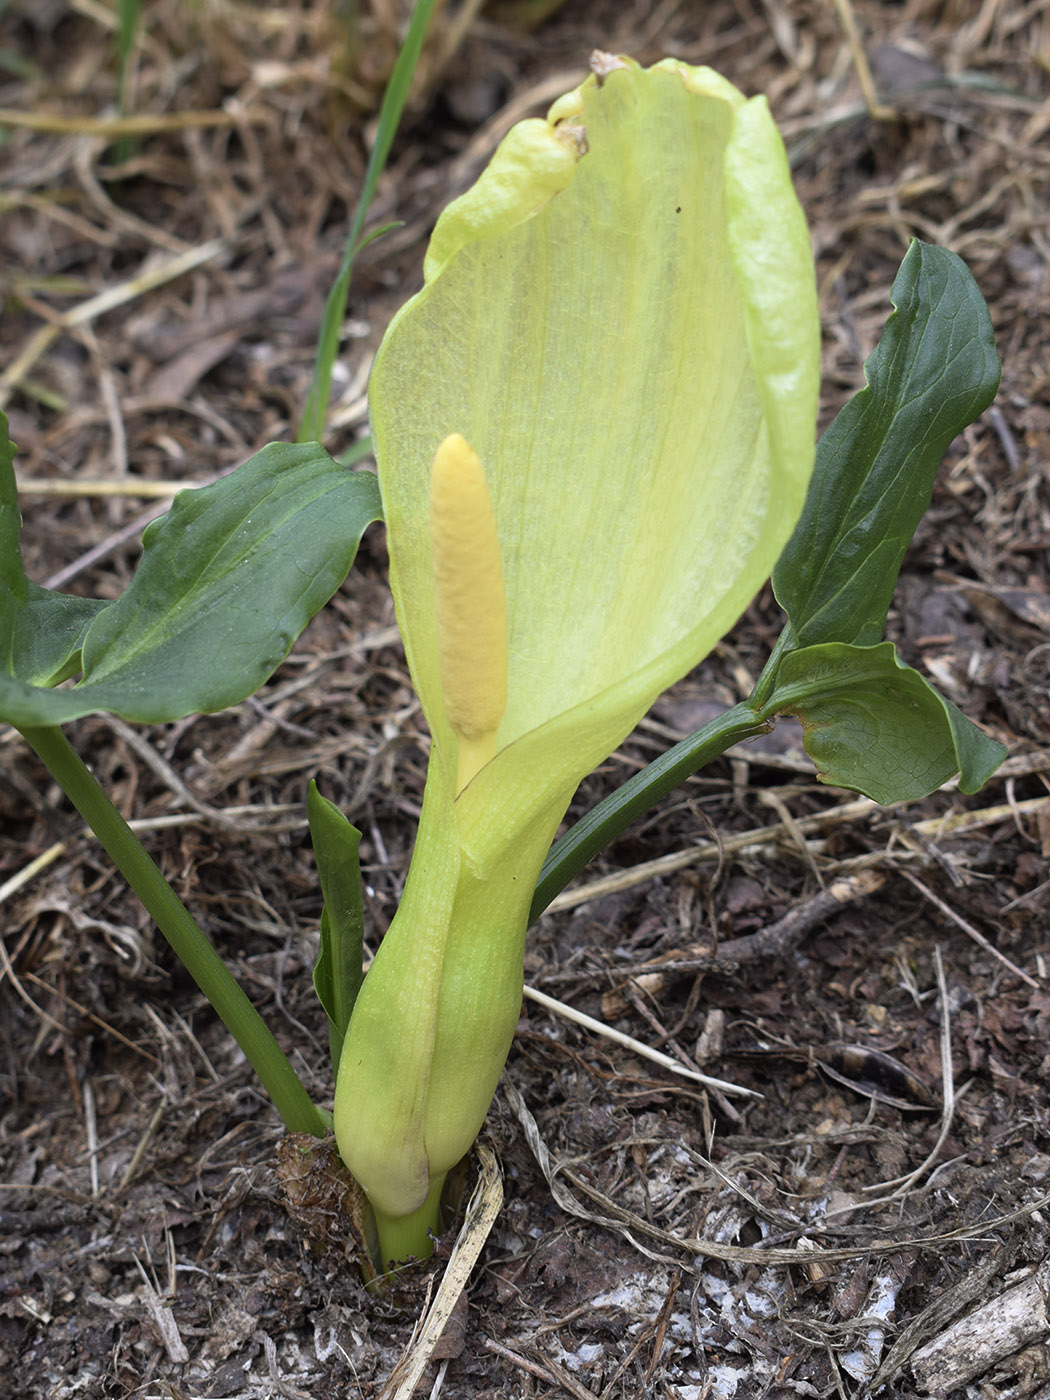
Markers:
{"x": 293, "y": 1103}
{"x": 615, "y": 813}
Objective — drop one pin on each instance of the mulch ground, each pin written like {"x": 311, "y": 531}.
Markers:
{"x": 655, "y": 1240}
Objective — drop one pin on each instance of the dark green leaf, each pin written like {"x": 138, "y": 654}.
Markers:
{"x": 873, "y": 724}
{"x": 228, "y": 580}
{"x": 338, "y": 972}
{"x": 934, "y": 370}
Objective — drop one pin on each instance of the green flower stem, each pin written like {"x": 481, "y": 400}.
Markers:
{"x": 410, "y": 1236}
{"x": 603, "y": 823}
{"x": 203, "y": 963}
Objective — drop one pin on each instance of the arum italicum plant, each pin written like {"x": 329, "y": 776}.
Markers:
{"x": 594, "y": 429}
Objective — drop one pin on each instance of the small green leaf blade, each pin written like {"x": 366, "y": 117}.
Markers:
{"x": 13, "y": 583}
{"x": 338, "y": 972}
{"x": 977, "y": 753}
{"x": 40, "y": 631}
{"x": 932, "y": 373}
{"x": 875, "y": 725}
{"x": 228, "y": 580}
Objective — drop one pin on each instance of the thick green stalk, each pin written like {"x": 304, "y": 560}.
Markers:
{"x": 410, "y": 1236}
{"x": 203, "y": 963}
{"x": 603, "y": 823}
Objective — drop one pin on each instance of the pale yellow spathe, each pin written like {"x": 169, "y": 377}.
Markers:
{"x": 621, "y": 319}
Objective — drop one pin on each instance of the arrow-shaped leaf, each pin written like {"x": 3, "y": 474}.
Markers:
{"x": 934, "y": 370}
{"x": 873, "y": 724}
{"x": 228, "y": 580}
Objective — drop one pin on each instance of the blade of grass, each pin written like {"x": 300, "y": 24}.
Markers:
{"x": 312, "y": 425}
{"x": 127, "y": 27}
{"x": 126, "y": 30}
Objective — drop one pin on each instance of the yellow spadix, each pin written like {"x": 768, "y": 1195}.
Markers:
{"x": 469, "y": 603}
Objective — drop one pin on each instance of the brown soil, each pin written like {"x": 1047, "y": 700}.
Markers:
{"x": 655, "y": 1240}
